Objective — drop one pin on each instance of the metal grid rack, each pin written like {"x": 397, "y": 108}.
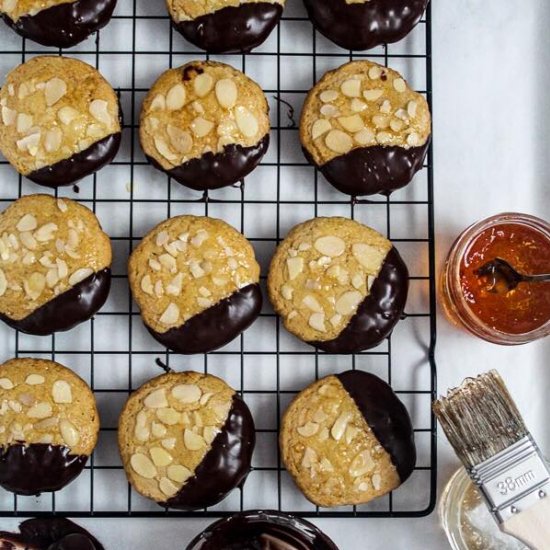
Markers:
{"x": 114, "y": 353}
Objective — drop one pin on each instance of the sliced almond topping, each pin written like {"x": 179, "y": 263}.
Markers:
{"x": 330, "y": 245}
{"x": 358, "y": 280}
{"x": 381, "y": 121}
{"x": 54, "y": 90}
{"x": 159, "y": 102}
{"x": 29, "y": 143}
{"x": 15, "y": 406}
{"x": 399, "y": 85}
{"x": 347, "y": 303}
{"x": 364, "y": 137}
{"x": 47, "y": 423}
{"x": 320, "y": 126}
{"x": 202, "y": 84}
{"x": 209, "y": 433}
{"x": 352, "y": 123}
{"x": 146, "y": 285}
{"x": 27, "y": 399}
{"x": 167, "y": 487}
{"x": 351, "y": 432}
{"x": 169, "y": 262}
{"x": 201, "y": 236}
{"x": 45, "y": 232}
{"x": 402, "y": 115}
{"x": 27, "y": 223}
{"x": 169, "y": 416}
{"x": 193, "y": 441}
{"x": 154, "y": 264}
{"x": 62, "y": 268}
{"x": 162, "y": 238}
{"x": 180, "y": 140}
{"x": 373, "y": 95}
{"x": 413, "y": 139}
{"x": 34, "y": 379}
{"x": 171, "y": 315}
{"x": 351, "y": 87}
{"x": 40, "y": 410}
{"x": 317, "y": 322}
{"x": 376, "y": 482}
{"x": 368, "y": 256}
{"x": 160, "y": 456}
{"x": 411, "y": 108}
{"x": 329, "y": 110}
{"x": 8, "y": 116}
{"x": 311, "y": 302}
{"x": 204, "y": 302}
{"x": 338, "y": 141}
{"x": 287, "y": 292}
{"x": 361, "y": 464}
{"x": 226, "y": 92}
{"x": 158, "y": 429}
{"x": 162, "y": 147}
{"x": 34, "y": 285}
{"x": 396, "y": 125}
{"x": 6, "y": 384}
{"x": 357, "y": 105}
{"x": 79, "y": 275}
{"x": 385, "y": 107}
{"x": 309, "y": 429}
{"x": 156, "y": 399}
{"x": 246, "y": 121}
{"x": 328, "y": 95}
{"x": 295, "y": 266}
{"x": 310, "y": 458}
{"x": 201, "y": 127}
{"x": 52, "y": 278}
{"x": 142, "y": 465}
{"x": 339, "y": 427}
{"x": 99, "y": 109}
{"x": 187, "y": 393}
{"x": 169, "y": 443}
{"x": 175, "y": 98}
{"x": 375, "y": 72}
{"x": 175, "y": 285}
{"x": 61, "y": 392}
{"x": 383, "y": 137}
{"x": 24, "y": 122}
{"x": 178, "y": 473}
{"x": 52, "y": 140}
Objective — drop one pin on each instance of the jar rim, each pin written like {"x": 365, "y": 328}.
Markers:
{"x": 452, "y": 278}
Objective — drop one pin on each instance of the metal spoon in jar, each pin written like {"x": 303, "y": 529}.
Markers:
{"x": 502, "y": 277}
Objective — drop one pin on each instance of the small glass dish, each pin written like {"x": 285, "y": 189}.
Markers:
{"x": 467, "y": 521}
{"x": 452, "y": 295}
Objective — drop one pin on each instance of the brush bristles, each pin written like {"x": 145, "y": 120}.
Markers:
{"x": 479, "y": 418}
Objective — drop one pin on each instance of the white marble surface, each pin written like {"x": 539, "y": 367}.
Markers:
{"x": 492, "y": 144}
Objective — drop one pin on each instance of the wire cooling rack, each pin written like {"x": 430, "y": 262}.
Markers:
{"x": 115, "y": 354}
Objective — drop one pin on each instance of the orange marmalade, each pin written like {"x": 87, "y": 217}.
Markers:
{"x": 514, "y": 317}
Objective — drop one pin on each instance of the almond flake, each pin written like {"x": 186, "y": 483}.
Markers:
{"x": 246, "y": 121}
{"x": 347, "y": 303}
{"x": 373, "y": 94}
{"x": 27, "y": 223}
{"x": 156, "y": 399}
{"x": 351, "y": 87}
{"x": 54, "y": 90}
{"x": 178, "y": 473}
{"x": 226, "y": 92}
{"x": 399, "y": 85}
{"x": 338, "y": 141}
{"x": 202, "y": 84}
{"x": 320, "y": 126}
{"x": 79, "y": 275}
{"x": 328, "y": 96}
{"x": 317, "y": 321}
{"x": 171, "y": 315}
{"x": 61, "y": 392}
{"x": 143, "y": 466}
{"x": 175, "y": 98}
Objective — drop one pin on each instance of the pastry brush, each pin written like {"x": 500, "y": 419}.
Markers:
{"x": 488, "y": 434}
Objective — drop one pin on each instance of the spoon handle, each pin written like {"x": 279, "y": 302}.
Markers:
{"x": 539, "y": 278}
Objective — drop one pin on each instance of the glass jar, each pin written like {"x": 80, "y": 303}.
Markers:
{"x": 467, "y": 521}
{"x": 454, "y": 301}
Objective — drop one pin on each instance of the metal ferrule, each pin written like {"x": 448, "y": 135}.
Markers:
{"x": 514, "y": 479}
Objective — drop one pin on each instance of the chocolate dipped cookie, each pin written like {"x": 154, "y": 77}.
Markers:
{"x": 196, "y": 282}
{"x": 365, "y": 129}
{"x": 49, "y": 425}
{"x": 60, "y": 120}
{"x": 262, "y": 530}
{"x": 49, "y": 534}
{"x": 347, "y": 439}
{"x": 55, "y": 264}
{"x": 205, "y": 124}
{"x": 186, "y": 440}
{"x": 58, "y": 23}
{"x": 338, "y": 284}
{"x": 222, "y": 26}
{"x": 365, "y": 24}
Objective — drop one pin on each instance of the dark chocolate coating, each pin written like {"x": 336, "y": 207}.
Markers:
{"x": 216, "y": 326}
{"x": 225, "y": 466}
{"x": 378, "y": 313}
{"x": 234, "y": 29}
{"x": 79, "y": 165}
{"x": 64, "y": 25}
{"x": 67, "y": 310}
{"x": 367, "y": 25}
{"x": 37, "y": 468}
{"x": 371, "y": 170}
{"x": 386, "y": 415}
{"x": 51, "y": 534}
{"x": 262, "y": 530}
{"x": 215, "y": 170}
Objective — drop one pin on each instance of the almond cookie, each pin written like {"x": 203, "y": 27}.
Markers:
{"x": 262, "y": 530}
{"x": 338, "y": 284}
{"x": 54, "y": 264}
{"x": 365, "y": 129}
{"x": 347, "y": 439}
{"x": 365, "y": 24}
{"x": 186, "y": 440}
{"x": 49, "y": 534}
{"x": 205, "y": 124}
{"x": 48, "y": 425}
{"x": 222, "y": 26}
{"x": 58, "y": 23}
{"x": 196, "y": 282}
{"x": 60, "y": 120}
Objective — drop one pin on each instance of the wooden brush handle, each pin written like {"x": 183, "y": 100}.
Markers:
{"x": 532, "y": 526}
